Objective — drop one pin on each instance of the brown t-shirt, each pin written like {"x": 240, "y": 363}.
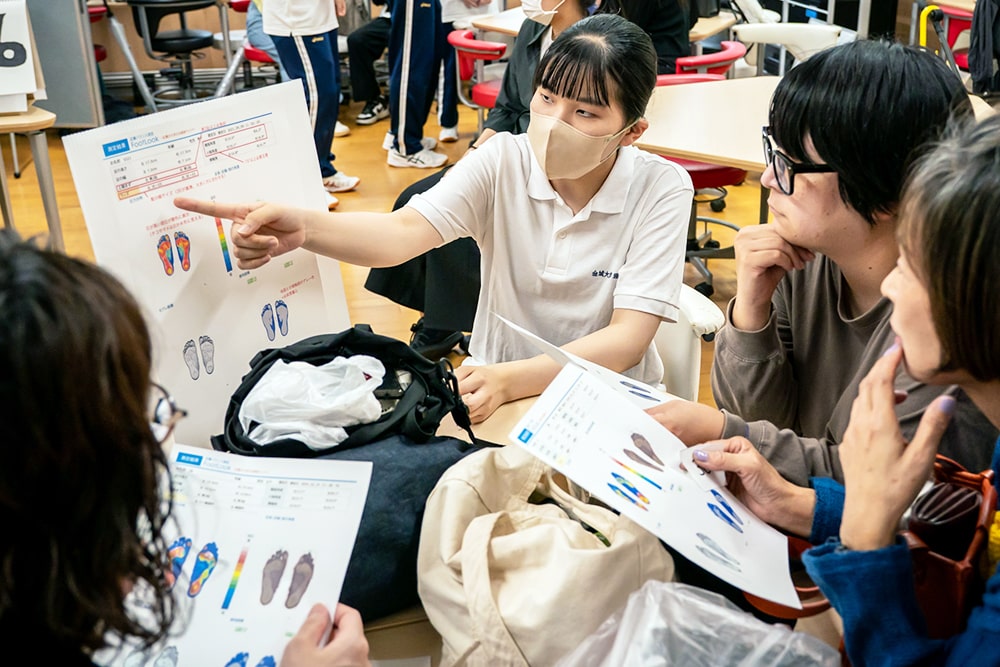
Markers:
{"x": 789, "y": 387}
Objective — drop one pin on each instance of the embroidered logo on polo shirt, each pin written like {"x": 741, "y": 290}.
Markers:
{"x": 598, "y": 273}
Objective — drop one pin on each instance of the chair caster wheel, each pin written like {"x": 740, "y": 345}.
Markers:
{"x": 718, "y": 205}
{"x": 705, "y": 288}
{"x": 713, "y": 244}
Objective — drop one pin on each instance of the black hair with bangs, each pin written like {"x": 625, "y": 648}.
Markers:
{"x": 601, "y": 59}
{"x": 868, "y": 107}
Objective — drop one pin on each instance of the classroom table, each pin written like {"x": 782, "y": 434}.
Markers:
{"x": 33, "y": 124}
{"x": 509, "y": 23}
{"x": 496, "y": 428}
{"x": 717, "y": 122}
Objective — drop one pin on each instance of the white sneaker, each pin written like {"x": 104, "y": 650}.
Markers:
{"x": 448, "y": 134}
{"x": 331, "y": 202}
{"x": 341, "y": 130}
{"x": 340, "y": 182}
{"x": 429, "y": 143}
{"x": 425, "y": 159}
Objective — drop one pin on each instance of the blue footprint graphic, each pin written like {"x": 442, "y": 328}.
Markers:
{"x": 281, "y": 310}
{"x": 208, "y": 557}
{"x": 178, "y": 553}
{"x": 267, "y": 317}
{"x": 238, "y": 660}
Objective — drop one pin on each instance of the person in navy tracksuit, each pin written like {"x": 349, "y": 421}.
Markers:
{"x": 418, "y": 44}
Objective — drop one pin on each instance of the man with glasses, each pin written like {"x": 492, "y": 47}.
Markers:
{"x": 808, "y": 320}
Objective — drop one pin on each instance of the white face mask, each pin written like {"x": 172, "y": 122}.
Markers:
{"x": 564, "y": 151}
{"x": 533, "y": 10}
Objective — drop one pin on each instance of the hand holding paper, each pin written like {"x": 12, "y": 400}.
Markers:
{"x": 587, "y": 428}
{"x": 757, "y": 484}
{"x": 694, "y": 423}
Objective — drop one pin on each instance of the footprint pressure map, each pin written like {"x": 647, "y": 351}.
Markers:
{"x": 258, "y": 541}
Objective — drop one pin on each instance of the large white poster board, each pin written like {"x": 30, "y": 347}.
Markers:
{"x": 255, "y": 543}
{"x": 209, "y": 317}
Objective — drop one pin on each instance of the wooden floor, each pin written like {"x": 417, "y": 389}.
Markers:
{"x": 358, "y": 154}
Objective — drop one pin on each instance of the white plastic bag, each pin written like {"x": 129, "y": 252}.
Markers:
{"x": 313, "y": 403}
{"x": 666, "y": 623}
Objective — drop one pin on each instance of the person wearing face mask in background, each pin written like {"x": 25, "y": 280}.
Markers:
{"x": 444, "y": 284}
{"x": 582, "y": 235}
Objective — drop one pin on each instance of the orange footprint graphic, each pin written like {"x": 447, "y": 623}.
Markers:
{"x": 177, "y": 553}
{"x": 183, "y": 244}
{"x": 166, "y": 253}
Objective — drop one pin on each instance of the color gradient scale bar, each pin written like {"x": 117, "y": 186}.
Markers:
{"x": 224, "y": 244}
{"x": 236, "y": 578}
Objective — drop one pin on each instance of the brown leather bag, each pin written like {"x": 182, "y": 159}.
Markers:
{"x": 948, "y": 532}
{"x": 947, "y": 535}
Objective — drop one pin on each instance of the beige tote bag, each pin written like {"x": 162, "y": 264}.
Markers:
{"x": 513, "y": 570}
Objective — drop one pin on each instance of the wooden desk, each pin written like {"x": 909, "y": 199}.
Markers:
{"x": 710, "y": 27}
{"x": 494, "y": 429}
{"x": 505, "y": 23}
{"x": 717, "y": 122}
{"x": 33, "y": 124}
{"x": 509, "y": 23}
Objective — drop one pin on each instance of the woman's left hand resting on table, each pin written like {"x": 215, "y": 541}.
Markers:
{"x": 618, "y": 346}
{"x": 882, "y": 472}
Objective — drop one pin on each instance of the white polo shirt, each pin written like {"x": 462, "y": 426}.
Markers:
{"x": 289, "y": 18}
{"x": 557, "y": 274}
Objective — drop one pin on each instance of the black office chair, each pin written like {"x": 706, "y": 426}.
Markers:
{"x": 177, "y": 48}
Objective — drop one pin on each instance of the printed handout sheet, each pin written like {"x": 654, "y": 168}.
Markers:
{"x": 254, "y": 543}
{"x": 592, "y": 427}
{"x": 209, "y": 317}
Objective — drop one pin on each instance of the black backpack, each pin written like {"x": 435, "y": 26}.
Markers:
{"x": 414, "y": 410}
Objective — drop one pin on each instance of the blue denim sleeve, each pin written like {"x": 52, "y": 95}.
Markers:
{"x": 829, "y": 509}
{"x": 873, "y": 593}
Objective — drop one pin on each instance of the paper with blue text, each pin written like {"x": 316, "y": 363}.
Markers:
{"x": 585, "y": 426}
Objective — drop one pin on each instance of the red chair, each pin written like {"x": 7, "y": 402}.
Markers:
{"x": 713, "y": 63}
{"x": 957, "y": 21}
{"x": 472, "y": 54}
{"x": 710, "y": 182}
{"x": 243, "y": 57}
{"x": 96, "y": 14}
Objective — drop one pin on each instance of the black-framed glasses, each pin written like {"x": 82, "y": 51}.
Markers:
{"x": 163, "y": 412}
{"x": 785, "y": 168}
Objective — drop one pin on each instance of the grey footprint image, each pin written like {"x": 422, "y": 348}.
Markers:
{"x": 168, "y": 658}
{"x": 643, "y": 446}
{"x": 207, "y": 347}
{"x": 301, "y": 576}
{"x": 273, "y": 570}
{"x": 191, "y": 359}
